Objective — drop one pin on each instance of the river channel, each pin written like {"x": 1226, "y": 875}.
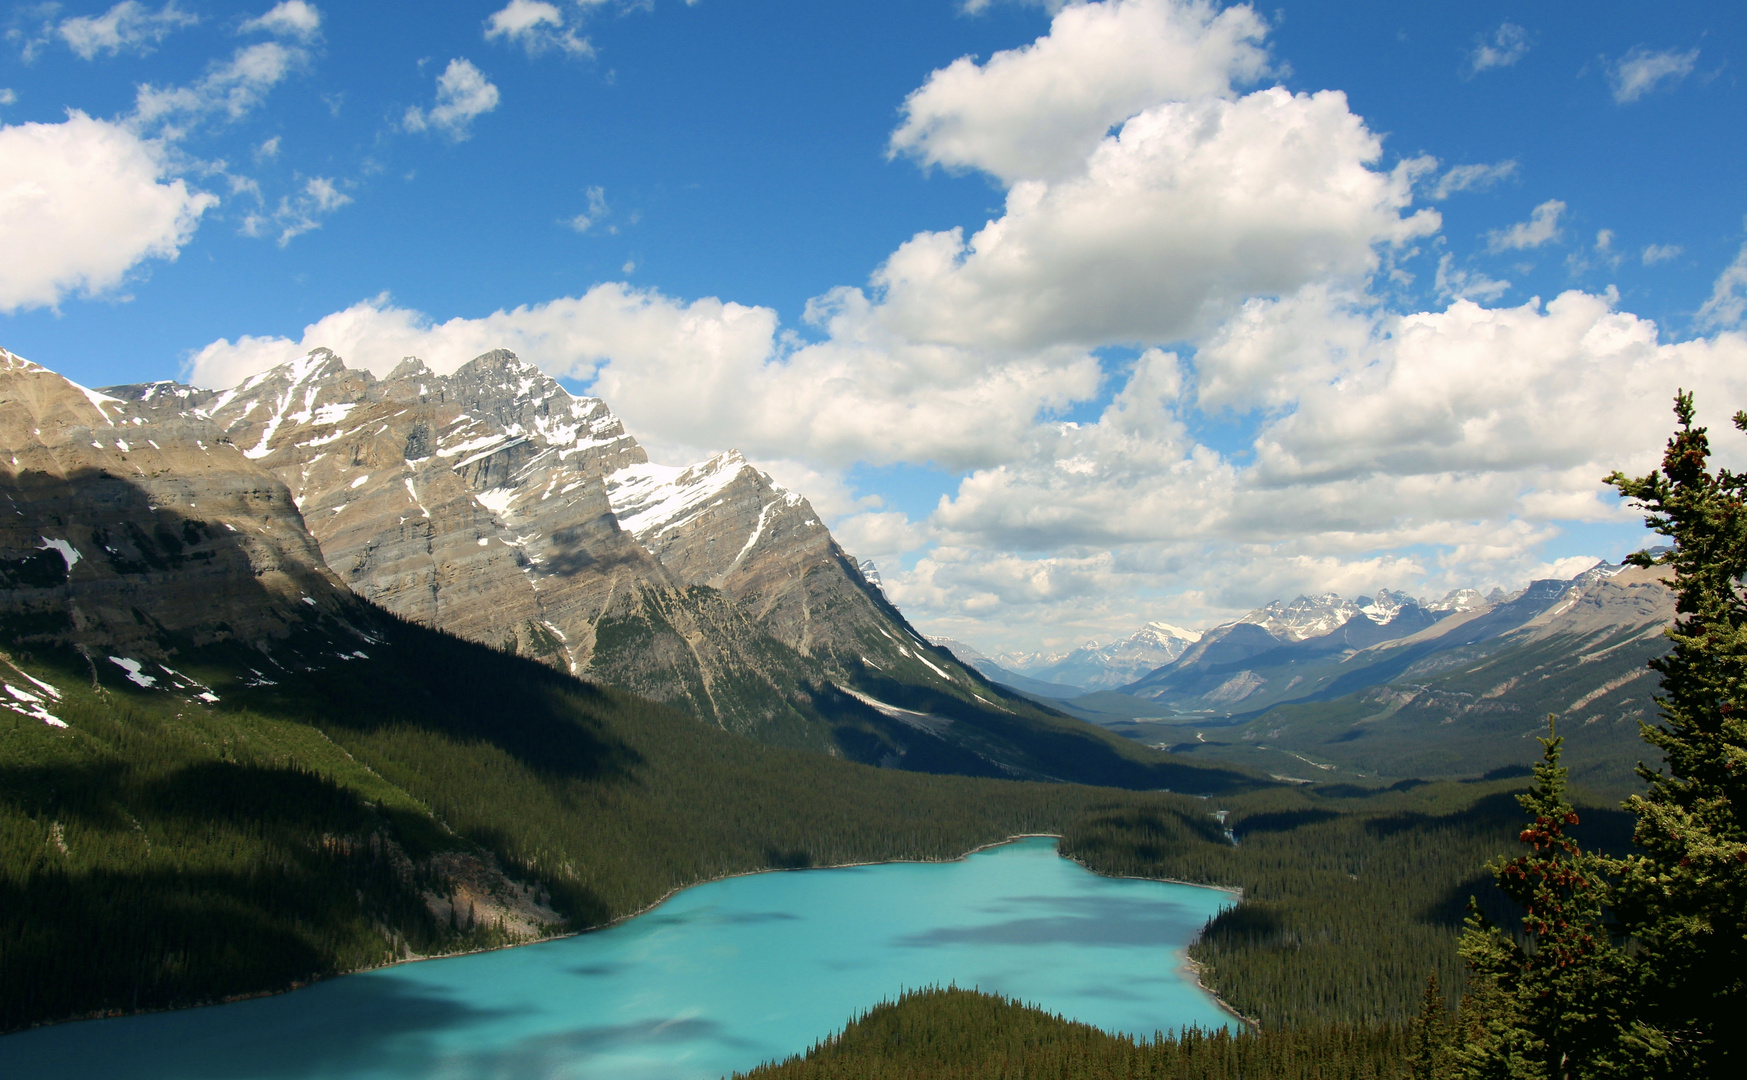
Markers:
{"x": 718, "y": 978}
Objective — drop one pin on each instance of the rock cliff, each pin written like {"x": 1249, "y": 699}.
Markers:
{"x": 136, "y": 530}
{"x": 496, "y": 505}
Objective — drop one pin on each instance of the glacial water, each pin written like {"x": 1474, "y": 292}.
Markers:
{"x": 718, "y": 978}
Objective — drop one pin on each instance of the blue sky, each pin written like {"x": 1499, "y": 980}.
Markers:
{"x": 733, "y": 221}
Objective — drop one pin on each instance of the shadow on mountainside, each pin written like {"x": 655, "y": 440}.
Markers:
{"x": 466, "y": 693}
{"x": 152, "y": 884}
{"x": 154, "y": 582}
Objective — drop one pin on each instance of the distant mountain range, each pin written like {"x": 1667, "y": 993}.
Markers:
{"x": 1391, "y": 686}
{"x": 1089, "y": 668}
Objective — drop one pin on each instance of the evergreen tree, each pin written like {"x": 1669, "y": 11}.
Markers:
{"x": 1428, "y": 1056}
{"x": 1685, "y": 896}
{"x": 1546, "y": 1006}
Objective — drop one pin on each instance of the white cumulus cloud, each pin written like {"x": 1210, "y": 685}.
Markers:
{"x": 1470, "y": 178}
{"x": 290, "y": 18}
{"x": 1728, "y": 302}
{"x": 1661, "y": 253}
{"x": 1190, "y": 208}
{"x": 1445, "y": 432}
{"x": 1508, "y": 44}
{"x": 88, "y": 200}
{"x": 231, "y": 89}
{"x": 299, "y": 213}
{"x": 537, "y": 27}
{"x": 463, "y": 95}
{"x": 597, "y": 209}
{"x": 1038, "y": 111}
{"x": 1461, "y": 283}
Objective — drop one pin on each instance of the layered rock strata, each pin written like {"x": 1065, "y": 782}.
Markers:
{"x": 494, "y": 504}
{"x": 142, "y": 530}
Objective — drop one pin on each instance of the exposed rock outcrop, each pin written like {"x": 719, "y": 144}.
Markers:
{"x": 494, "y": 504}
{"x": 140, "y": 529}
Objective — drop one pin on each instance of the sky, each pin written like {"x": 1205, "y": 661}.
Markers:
{"x": 1071, "y": 316}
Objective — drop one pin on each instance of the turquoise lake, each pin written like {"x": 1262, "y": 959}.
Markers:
{"x": 718, "y": 978}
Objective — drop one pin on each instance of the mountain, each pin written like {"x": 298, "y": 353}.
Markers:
{"x": 1095, "y": 667}
{"x": 494, "y": 505}
{"x": 132, "y": 536}
{"x": 223, "y": 771}
{"x": 478, "y": 503}
{"x": 1465, "y": 691}
{"x": 1278, "y": 651}
{"x": 995, "y": 673}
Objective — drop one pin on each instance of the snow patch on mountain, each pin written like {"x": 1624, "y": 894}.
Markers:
{"x": 872, "y": 574}
{"x": 649, "y": 499}
{"x": 1385, "y": 606}
{"x": 67, "y": 551}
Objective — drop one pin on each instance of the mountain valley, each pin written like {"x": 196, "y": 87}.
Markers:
{"x": 326, "y": 671}
{"x": 1387, "y": 687}
{"x": 227, "y": 769}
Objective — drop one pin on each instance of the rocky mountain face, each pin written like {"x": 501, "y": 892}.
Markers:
{"x": 494, "y": 505}
{"x": 1472, "y": 693}
{"x": 135, "y": 534}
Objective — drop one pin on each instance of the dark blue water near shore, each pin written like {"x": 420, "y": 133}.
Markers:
{"x": 717, "y": 979}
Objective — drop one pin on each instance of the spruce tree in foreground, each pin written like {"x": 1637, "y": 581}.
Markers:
{"x": 1428, "y": 1037}
{"x": 1685, "y": 895}
{"x": 1545, "y": 1005}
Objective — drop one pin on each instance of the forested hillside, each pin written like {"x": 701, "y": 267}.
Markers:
{"x": 1352, "y": 896}
{"x": 161, "y": 850}
{"x": 955, "y": 1034}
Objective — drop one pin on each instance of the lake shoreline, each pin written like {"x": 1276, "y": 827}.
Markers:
{"x": 1190, "y": 966}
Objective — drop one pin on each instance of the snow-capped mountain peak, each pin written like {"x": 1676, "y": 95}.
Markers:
{"x": 496, "y": 504}
{"x": 1459, "y": 600}
{"x": 1385, "y": 606}
{"x": 1095, "y": 666}
{"x": 1304, "y": 617}
{"x": 1162, "y": 632}
{"x": 872, "y": 574}
{"x": 649, "y": 498}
